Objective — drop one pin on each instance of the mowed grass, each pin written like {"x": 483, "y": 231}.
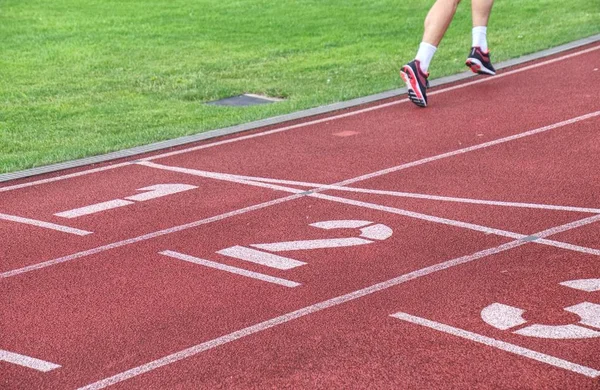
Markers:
{"x": 80, "y": 78}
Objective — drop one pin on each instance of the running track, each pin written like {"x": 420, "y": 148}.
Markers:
{"x": 387, "y": 246}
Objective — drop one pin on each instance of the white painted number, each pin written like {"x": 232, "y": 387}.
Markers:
{"x": 374, "y": 232}
{"x": 152, "y": 192}
{"x": 369, "y": 233}
{"x": 506, "y": 317}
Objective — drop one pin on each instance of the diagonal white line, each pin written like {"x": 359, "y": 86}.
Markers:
{"x": 465, "y": 225}
{"x": 502, "y": 345}
{"x": 228, "y": 268}
{"x": 196, "y": 349}
{"x": 27, "y": 361}
{"x": 300, "y": 192}
{"x": 43, "y": 224}
{"x": 304, "y": 124}
{"x": 393, "y": 210}
{"x": 471, "y": 148}
{"x": 322, "y": 187}
{"x": 67, "y": 176}
{"x": 384, "y": 105}
{"x": 141, "y": 238}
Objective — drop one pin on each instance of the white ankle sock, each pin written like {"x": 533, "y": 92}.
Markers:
{"x": 480, "y": 37}
{"x": 425, "y": 54}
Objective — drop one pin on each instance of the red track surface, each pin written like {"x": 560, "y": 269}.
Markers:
{"x": 111, "y": 308}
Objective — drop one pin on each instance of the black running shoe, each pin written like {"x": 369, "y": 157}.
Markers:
{"x": 479, "y": 62}
{"x": 416, "y": 82}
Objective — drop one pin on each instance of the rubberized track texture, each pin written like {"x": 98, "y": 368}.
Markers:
{"x": 386, "y": 247}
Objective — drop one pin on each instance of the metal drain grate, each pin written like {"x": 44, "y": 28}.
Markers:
{"x": 246, "y": 99}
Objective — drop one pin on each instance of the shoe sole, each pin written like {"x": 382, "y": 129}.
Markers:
{"x": 414, "y": 91}
{"x": 477, "y": 67}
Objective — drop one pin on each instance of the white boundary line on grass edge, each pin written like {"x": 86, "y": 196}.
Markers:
{"x": 286, "y": 128}
{"x": 207, "y": 345}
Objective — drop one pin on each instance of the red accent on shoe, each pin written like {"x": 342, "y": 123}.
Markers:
{"x": 422, "y": 75}
{"x": 475, "y": 68}
{"x": 408, "y": 72}
{"x": 485, "y": 55}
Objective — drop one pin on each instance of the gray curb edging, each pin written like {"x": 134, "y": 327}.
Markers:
{"x": 280, "y": 119}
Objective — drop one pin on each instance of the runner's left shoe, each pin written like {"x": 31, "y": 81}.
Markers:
{"x": 479, "y": 62}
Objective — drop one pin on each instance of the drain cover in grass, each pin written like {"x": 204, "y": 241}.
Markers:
{"x": 244, "y": 100}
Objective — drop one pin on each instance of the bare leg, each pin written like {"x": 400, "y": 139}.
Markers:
{"x": 438, "y": 19}
{"x": 480, "y": 12}
{"x": 479, "y": 58}
{"x": 415, "y": 72}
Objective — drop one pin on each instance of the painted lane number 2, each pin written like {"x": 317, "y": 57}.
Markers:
{"x": 368, "y": 233}
{"x": 507, "y": 317}
{"x": 264, "y": 254}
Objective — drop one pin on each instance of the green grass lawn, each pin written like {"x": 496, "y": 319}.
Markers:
{"x": 79, "y": 78}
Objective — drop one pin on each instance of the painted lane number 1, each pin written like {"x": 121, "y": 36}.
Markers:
{"x": 152, "y": 192}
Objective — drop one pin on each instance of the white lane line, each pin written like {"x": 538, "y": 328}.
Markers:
{"x": 196, "y": 349}
{"x": 26, "y": 361}
{"x": 233, "y": 270}
{"x": 384, "y": 105}
{"x": 502, "y": 345}
{"x": 260, "y": 257}
{"x": 63, "y": 177}
{"x": 94, "y": 208}
{"x": 342, "y": 185}
{"x": 43, "y": 224}
{"x": 413, "y": 195}
{"x": 144, "y": 237}
{"x": 304, "y": 124}
{"x": 470, "y": 148}
{"x": 298, "y": 193}
{"x": 569, "y": 226}
{"x": 373, "y": 206}
{"x": 464, "y": 225}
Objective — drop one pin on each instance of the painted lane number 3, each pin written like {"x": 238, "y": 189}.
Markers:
{"x": 507, "y": 317}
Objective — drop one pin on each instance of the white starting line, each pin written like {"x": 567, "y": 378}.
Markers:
{"x": 502, "y": 345}
{"x": 393, "y": 210}
{"x": 43, "y": 224}
{"x": 228, "y": 268}
{"x": 259, "y": 327}
{"x": 26, "y": 361}
{"x": 586, "y": 285}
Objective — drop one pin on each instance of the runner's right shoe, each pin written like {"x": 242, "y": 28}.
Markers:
{"x": 416, "y": 82}
{"x": 479, "y": 62}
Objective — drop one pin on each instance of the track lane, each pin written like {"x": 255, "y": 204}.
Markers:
{"x": 121, "y": 308}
